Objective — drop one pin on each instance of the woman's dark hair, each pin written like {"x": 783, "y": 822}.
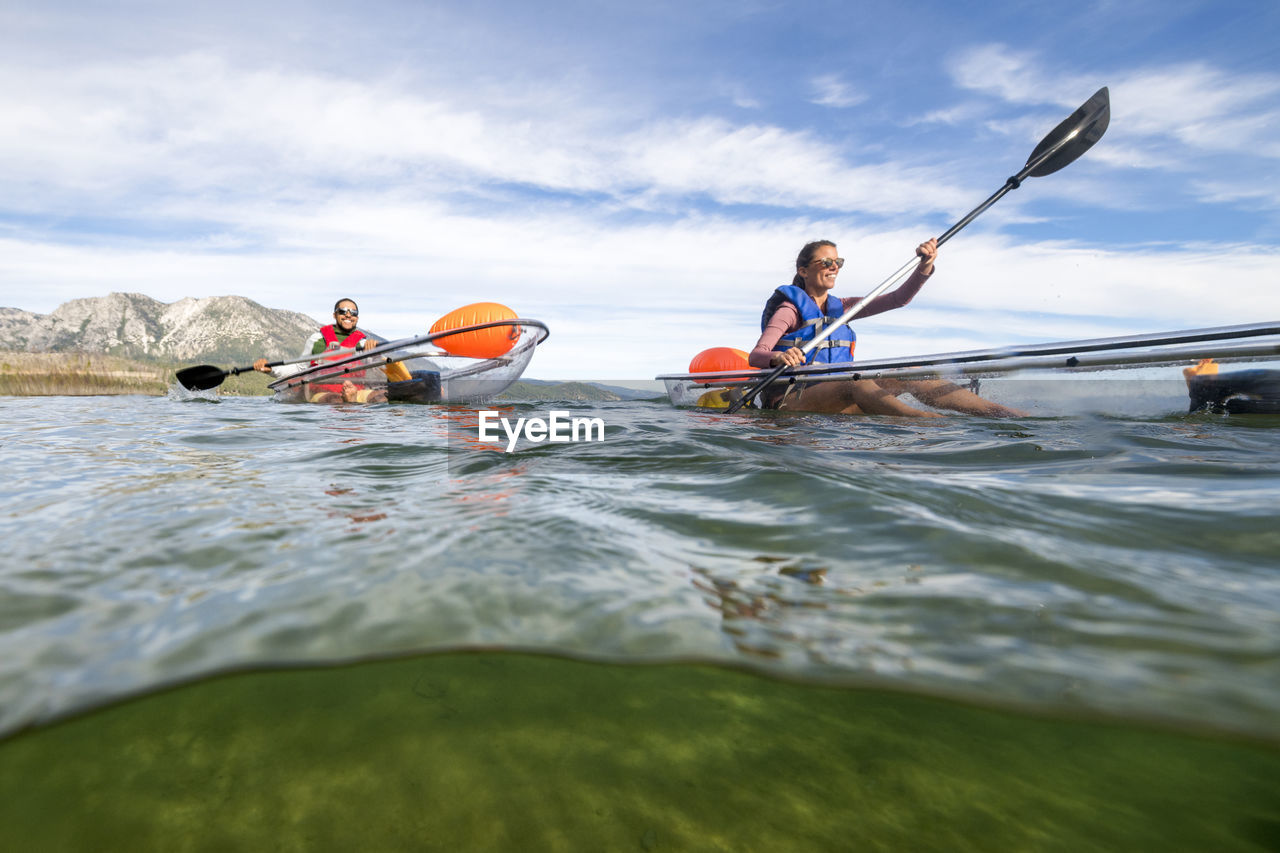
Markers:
{"x": 342, "y": 300}
{"x": 806, "y": 257}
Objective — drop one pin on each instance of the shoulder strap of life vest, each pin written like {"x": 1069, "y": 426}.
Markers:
{"x": 330, "y": 335}
{"x": 835, "y": 348}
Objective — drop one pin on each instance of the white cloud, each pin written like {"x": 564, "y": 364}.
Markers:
{"x": 738, "y": 93}
{"x": 761, "y": 164}
{"x": 964, "y": 113}
{"x": 1015, "y": 76}
{"x": 1217, "y": 131}
{"x": 830, "y": 90}
{"x": 193, "y": 124}
{"x": 1202, "y": 106}
{"x": 1242, "y": 190}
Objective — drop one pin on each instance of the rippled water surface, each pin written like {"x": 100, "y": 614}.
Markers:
{"x": 1060, "y": 576}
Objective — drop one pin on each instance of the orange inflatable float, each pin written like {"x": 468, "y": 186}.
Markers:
{"x": 719, "y": 358}
{"x": 481, "y": 343}
{"x": 715, "y": 360}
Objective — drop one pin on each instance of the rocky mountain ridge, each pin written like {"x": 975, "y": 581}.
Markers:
{"x": 133, "y": 325}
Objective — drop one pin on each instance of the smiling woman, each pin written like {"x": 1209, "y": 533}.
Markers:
{"x": 796, "y": 316}
{"x": 1073, "y": 136}
{"x": 797, "y": 313}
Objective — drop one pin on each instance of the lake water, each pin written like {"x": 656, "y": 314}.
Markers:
{"x": 242, "y": 624}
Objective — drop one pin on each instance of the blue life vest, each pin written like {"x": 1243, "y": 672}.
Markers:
{"x": 839, "y": 344}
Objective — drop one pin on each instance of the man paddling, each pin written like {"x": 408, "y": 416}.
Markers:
{"x": 796, "y": 313}
{"x": 341, "y": 334}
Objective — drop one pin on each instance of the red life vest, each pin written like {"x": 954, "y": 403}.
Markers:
{"x": 330, "y": 335}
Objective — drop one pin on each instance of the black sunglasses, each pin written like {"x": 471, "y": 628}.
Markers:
{"x": 347, "y": 312}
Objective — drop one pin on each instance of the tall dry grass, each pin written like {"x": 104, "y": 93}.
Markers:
{"x": 45, "y": 374}
{"x": 62, "y": 374}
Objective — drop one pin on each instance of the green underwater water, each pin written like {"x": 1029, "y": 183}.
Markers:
{"x": 506, "y": 751}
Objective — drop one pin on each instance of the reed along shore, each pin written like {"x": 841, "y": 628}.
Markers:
{"x": 80, "y": 374}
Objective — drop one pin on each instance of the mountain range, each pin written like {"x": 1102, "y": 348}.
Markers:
{"x": 132, "y": 325}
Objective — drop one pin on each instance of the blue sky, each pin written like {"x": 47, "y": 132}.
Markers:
{"x": 639, "y": 176}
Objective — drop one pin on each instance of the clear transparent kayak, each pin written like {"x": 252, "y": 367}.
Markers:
{"x": 415, "y": 370}
{"x": 1031, "y": 376}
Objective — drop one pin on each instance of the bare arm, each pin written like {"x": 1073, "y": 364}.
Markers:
{"x": 895, "y": 298}
{"x": 280, "y": 372}
{"x": 905, "y": 292}
{"x": 785, "y": 319}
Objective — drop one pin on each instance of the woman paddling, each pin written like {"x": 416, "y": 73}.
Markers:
{"x": 796, "y": 313}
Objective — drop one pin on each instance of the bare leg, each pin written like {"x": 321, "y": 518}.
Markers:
{"x": 353, "y": 393}
{"x": 946, "y": 395}
{"x": 1205, "y": 367}
{"x": 850, "y": 398}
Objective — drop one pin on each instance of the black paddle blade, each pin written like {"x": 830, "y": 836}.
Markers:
{"x": 202, "y": 377}
{"x": 1087, "y": 124}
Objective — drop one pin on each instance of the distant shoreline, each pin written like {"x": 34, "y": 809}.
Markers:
{"x": 94, "y": 374}
{"x": 46, "y": 374}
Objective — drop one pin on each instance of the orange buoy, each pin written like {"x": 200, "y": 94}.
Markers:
{"x": 719, "y": 358}
{"x": 481, "y": 343}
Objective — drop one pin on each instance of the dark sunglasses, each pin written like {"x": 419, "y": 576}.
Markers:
{"x": 347, "y": 312}
{"x": 828, "y": 263}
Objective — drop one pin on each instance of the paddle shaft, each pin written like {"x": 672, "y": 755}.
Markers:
{"x": 325, "y": 354}
{"x": 203, "y": 377}
{"x": 1083, "y": 362}
{"x": 1214, "y": 335}
{"x": 1009, "y": 185}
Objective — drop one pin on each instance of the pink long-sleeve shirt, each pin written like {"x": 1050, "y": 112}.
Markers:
{"x": 786, "y": 319}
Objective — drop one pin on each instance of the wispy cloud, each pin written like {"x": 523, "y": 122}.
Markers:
{"x": 194, "y": 124}
{"x": 1185, "y": 118}
{"x": 1015, "y": 76}
{"x": 739, "y": 94}
{"x": 1202, "y": 106}
{"x": 830, "y": 90}
{"x": 963, "y": 113}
